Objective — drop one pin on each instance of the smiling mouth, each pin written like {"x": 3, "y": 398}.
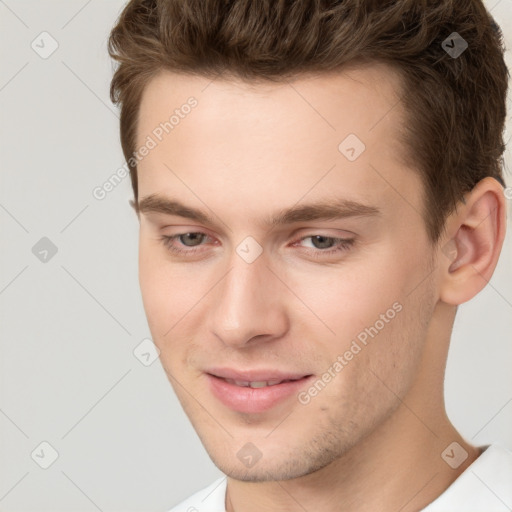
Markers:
{"x": 256, "y": 396}
{"x": 260, "y": 383}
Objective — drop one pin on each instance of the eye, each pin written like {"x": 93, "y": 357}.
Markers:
{"x": 327, "y": 245}
{"x": 191, "y": 239}
{"x": 321, "y": 245}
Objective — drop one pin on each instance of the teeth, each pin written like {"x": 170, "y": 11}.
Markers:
{"x": 255, "y": 384}
{"x": 260, "y": 384}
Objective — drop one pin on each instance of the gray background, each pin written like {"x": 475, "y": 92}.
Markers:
{"x": 69, "y": 326}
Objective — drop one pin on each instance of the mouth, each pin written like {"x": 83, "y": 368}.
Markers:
{"x": 254, "y": 392}
{"x": 258, "y": 383}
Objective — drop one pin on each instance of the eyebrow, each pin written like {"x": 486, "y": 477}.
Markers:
{"x": 323, "y": 210}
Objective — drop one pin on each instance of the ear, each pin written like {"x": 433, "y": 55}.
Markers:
{"x": 472, "y": 242}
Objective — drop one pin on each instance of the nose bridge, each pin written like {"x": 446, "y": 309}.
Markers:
{"x": 247, "y": 302}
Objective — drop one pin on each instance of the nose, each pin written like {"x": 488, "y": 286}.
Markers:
{"x": 249, "y": 304}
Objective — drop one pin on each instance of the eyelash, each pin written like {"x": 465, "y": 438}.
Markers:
{"x": 343, "y": 245}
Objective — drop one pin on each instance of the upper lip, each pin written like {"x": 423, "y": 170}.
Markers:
{"x": 255, "y": 375}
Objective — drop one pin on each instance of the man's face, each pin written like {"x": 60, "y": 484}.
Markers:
{"x": 337, "y": 307}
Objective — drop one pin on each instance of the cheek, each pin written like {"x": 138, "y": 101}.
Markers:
{"x": 163, "y": 294}
{"x": 374, "y": 376}
{"x": 349, "y": 298}
{"x": 171, "y": 296}
{"x": 376, "y": 324}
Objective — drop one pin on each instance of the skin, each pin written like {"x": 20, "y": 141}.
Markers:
{"x": 373, "y": 438}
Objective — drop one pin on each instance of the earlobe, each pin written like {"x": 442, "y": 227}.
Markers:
{"x": 472, "y": 244}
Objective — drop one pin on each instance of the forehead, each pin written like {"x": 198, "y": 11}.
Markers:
{"x": 276, "y": 142}
{"x": 354, "y": 97}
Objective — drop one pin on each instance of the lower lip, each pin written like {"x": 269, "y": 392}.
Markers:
{"x": 254, "y": 400}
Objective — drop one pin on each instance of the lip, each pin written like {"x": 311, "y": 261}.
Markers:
{"x": 254, "y": 400}
{"x": 255, "y": 375}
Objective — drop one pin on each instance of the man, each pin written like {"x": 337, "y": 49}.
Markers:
{"x": 318, "y": 186}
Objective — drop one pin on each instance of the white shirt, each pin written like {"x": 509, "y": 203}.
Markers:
{"x": 484, "y": 486}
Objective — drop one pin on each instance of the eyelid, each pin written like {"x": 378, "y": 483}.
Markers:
{"x": 295, "y": 235}
{"x": 324, "y": 231}
{"x": 341, "y": 244}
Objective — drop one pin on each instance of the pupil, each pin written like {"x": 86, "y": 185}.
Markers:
{"x": 321, "y": 238}
{"x": 194, "y": 236}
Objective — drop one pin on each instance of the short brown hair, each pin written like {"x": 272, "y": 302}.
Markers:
{"x": 456, "y": 105}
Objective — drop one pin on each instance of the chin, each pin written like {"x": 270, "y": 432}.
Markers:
{"x": 264, "y": 473}
{"x": 277, "y": 467}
